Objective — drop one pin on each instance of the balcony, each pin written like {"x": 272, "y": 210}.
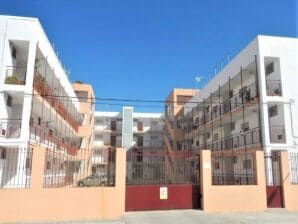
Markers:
{"x": 230, "y": 105}
{"x": 248, "y": 139}
{"x": 41, "y": 86}
{"x": 273, "y": 88}
{"x": 10, "y": 129}
{"x": 277, "y": 134}
{"x": 15, "y": 75}
{"x": 41, "y": 135}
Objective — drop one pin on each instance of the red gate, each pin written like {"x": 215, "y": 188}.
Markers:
{"x": 155, "y": 182}
{"x": 149, "y": 197}
{"x": 273, "y": 179}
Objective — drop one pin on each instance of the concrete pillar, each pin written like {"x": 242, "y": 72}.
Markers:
{"x": 38, "y": 162}
{"x": 289, "y": 190}
{"x": 205, "y": 177}
{"x": 118, "y": 207}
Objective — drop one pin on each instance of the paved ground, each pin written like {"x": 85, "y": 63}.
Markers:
{"x": 199, "y": 217}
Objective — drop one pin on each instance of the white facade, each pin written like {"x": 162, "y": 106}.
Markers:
{"x": 26, "y": 54}
{"x": 283, "y": 53}
{"x": 270, "y": 65}
{"x": 108, "y": 129}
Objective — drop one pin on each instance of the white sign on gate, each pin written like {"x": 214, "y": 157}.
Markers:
{"x": 163, "y": 193}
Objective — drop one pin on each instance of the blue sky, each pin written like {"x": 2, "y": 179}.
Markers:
{"x": 141, "y": 49}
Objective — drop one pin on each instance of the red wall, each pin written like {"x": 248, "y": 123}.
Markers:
{"x": 146, "y": 197}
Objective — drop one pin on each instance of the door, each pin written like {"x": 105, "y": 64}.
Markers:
{"x": 273, "y": 179}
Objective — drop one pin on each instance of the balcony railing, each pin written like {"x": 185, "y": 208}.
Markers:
{"x": 228, "y": 105}
{"x": 10, "y": 129}
{"x": 277, "y": 134}
{"x": 41, "y": 86}
{"x": 15, "y": 75}
{"x": 41, "y": 135}
{"x": 249, "y": 139}
{"x": 273, "y": 87}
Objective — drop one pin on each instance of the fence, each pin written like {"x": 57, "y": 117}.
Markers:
{"x": 15, "y": 167}
{"x": 272, "y": 170}
{"x": 86, "y": 169}
{"x": 237, "y": 168}
{"x": 293, "y": 162}
{"x": 158, "y": 167}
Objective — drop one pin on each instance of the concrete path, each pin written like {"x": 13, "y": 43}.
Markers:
{"x": 278, "y": 216}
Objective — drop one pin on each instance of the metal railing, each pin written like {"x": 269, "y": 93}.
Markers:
{"x": 160, "y": 170}
{"x": 273, "y": 88}
{"x": 41, "y": 86}
{"x": 249, "y": 139}
{"x": 15, "y": 167}
{"x": 86, "y": 169}
{"x": 41, "y": 135}
{"x": 16, "y": 75}
{"x": 233, "y": 169}
{"x": 227, "y": 106}
{"x": 293, "y": 162}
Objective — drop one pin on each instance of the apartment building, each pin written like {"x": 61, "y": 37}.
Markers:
{"x": 140, "y": 133}
{"x": 174, "y": 108}
{"x": 249, "y": 105}
{"x": 39, "y": 107}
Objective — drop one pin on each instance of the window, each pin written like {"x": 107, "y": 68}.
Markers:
{"x": 99, "y": 121}
{"x": 39, "y": 121}
{"x": 140, "y": 140}
{"x": 208, "y": 135}
{"x": 13, "y": 52}
{"x": 113, "y": 140}
{"x": 154, "y": 123}
{"x": 113, "y": 125}
{"x": 2, "y": 153}
{"x": 247, "y": 164}
{"x": 48, "y": 165}
{"x": 9, "y": 101}
{"x": 273, "y": 111}
{"x": 99, "y": 136}
{"x": 82, "y": 95}
{"x": 269, "y": 68}
{"x": 154, "y": 137}
{"x": 232, "y": 126}
{"x": 140, "y": 126}
{"x": 215, "y": 136}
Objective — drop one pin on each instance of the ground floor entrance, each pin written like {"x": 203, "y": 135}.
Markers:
{"x": 273, "y": 180}
{"x": 158, "y": 182}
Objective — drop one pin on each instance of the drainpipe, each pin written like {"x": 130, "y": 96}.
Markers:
{"x": 291, "y": 117}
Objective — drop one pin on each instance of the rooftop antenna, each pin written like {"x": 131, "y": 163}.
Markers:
{"x": 198, "y": 80}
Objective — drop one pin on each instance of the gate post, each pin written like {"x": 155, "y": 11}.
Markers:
{"x": 38, "y": 162}
{"x": 111, "y": 208}
{"x": 289, "y": 190}
{"x": 205, "y": 176}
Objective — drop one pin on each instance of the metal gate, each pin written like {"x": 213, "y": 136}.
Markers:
{"x": 155, "y": 181}
{"x": 273, "y": 180}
